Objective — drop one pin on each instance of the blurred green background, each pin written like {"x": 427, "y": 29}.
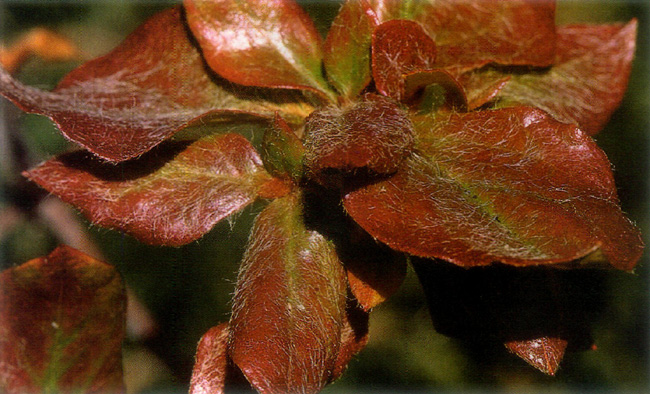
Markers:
{"x": 187, "y": 290}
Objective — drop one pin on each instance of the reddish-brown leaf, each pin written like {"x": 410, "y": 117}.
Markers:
{"x": 289, "y": 304}
{"x": 213, "y": 370}
{"x": 542, "y": 353}
{"x": 417, "y": 82}
{"x": 374, "y": 134}
{"x": 347, "y": 48}
{"x": 374, "y": 271}
{"x": 155, "y": 83}
{"x": 399, "y": 47}
{"x": 169, "y": 196}
{"x": 271, "y": 43}
{"x": 469, "y": 34}
{"x": 62, "y": 325}
{"x": 354, "y": 336}
{"x": 210, "y": 366}
{"x": 509, "y": 185}
{"x": 482, "y": 87}
{"x": 587, "y": 82}
{"x": 472, "y": 34}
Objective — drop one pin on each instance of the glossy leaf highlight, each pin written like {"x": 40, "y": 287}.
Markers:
{"x": 289, "y": 304}
{"x": 62, "y": 326}
{"x": 347, "y": 48}
{"x": 471, "y": 34}
{"x": 543, "y": 353}
{"x": 170, "y": 196}
{"x": 259, "y": 43}
{"x": 155, "y": 83}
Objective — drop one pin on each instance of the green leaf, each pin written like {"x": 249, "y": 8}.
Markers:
{"x": 511, "y": 186}
{"x": 152, "y": 85}
{"x": 588, "y": 80}
{"x": 347, "y": 48}
{"x": 282, "y": 151}
{"x": 259, "y": 43}
{"x": 170, "y": 196}
{"x": 289, "y": 304}
{"x": 62, "y": 326}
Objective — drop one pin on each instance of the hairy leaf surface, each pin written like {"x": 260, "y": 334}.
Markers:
{"x": 289, "y": 304}
{"x": 214, "y": 372}
{"x": 374, "y": 133}
{"x": 471, "y": 34}
{"x": 399, "y": 47}
{"x": 587, "y": 82}
{"x": 543, "y": 353}
{"x": 155, "y": 83}
{"x": 509, "y": 185}
{"x": 259, "y": 43}
{"x": 63, "y": 319}
{"x": 347, "y": 48}
{"x": 169, "y": 196}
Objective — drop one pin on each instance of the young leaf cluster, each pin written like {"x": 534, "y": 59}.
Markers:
{"x": 438, "y": 132}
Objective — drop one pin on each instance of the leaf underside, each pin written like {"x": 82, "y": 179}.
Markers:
{"x": 537, "y": 312}
{"x": 62, "y": 325}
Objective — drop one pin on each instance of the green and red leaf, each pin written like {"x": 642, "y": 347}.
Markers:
{"x": 289, "y": 304}
{"x": 471, "y": 34}
{"x": 510, "y": 185}
{"x": 259, "y": 43}
{"x": 588, "y": 79}
{"x": 170, "y": 196}
{"x": 155, "y": 83}
{"x": 62, "y": 326}
{"x": 347, "y": 48}
{"x": 282, "y": 151}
